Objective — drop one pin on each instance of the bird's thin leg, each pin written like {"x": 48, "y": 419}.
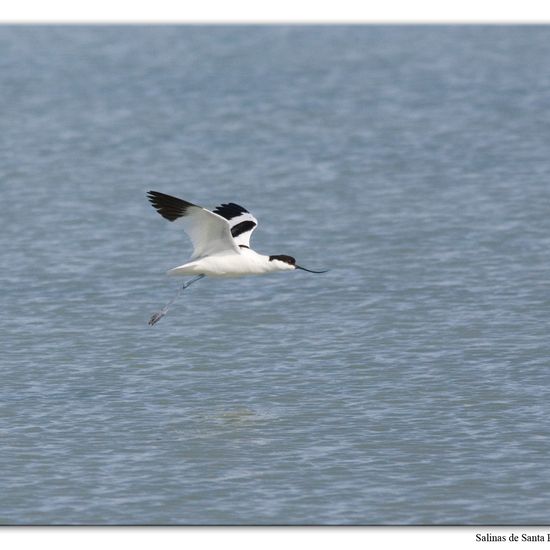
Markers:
{"x": 160, "y": 314}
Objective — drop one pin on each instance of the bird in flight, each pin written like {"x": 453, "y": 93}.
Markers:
{"x": 221, "y": 243}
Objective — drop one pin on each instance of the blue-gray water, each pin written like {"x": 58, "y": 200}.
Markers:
{"x": 408, "y": 385}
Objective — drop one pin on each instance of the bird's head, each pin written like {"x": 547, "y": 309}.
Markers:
{"x": 282, "y": 262}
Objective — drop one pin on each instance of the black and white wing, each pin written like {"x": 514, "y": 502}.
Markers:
{"x": 241, "y": 222}
{"x": 209, "y": 232}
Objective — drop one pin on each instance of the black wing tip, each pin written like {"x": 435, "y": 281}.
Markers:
{"x": 167, "y": 206}
{"x": 157, "y": 198}
{"x": 230, "y": 210}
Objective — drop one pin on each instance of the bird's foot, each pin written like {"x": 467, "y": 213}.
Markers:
{"x": 157, "y": 317}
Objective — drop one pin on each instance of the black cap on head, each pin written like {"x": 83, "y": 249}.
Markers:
{"x": 283, "y": 258}
{"x": 291, "y": 261}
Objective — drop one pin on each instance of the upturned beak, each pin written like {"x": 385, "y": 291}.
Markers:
{"x": 309, "y": 270}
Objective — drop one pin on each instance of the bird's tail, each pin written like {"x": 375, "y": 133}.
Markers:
{"x": 183, "y": 270}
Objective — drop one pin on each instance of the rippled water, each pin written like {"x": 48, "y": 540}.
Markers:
{"x": 407, "y": 385}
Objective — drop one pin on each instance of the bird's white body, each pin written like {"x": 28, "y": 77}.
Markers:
{"x": 232, "y": 264}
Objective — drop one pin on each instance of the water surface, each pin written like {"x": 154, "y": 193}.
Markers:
{"x": 409, "y": 385}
